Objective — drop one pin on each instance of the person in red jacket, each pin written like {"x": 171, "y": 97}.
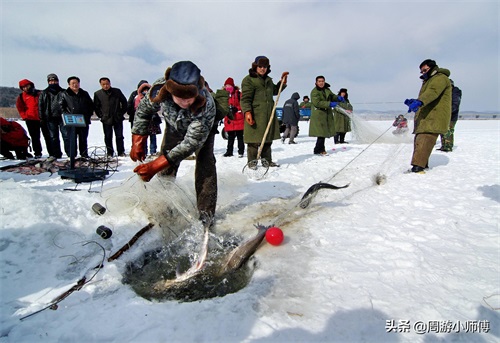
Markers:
{"x": 27, "y": 106}
{"x": 13, "y": 138}
{"x": 234, "y": 122}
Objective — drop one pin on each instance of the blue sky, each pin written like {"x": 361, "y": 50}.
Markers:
{"x": 372, "y": 48}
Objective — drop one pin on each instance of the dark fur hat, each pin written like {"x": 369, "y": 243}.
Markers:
{"x": 345, "y": 91}
{"x": 260, "y": 61}
{"x": 184, "y": 80}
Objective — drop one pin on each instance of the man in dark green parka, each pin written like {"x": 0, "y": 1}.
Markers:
{"x": 432, "y": 112}
{"x": 257, "y": 91}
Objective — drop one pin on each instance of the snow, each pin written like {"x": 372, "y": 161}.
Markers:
{"x": 419, "y": 251}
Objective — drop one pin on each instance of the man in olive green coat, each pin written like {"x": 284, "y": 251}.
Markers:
{"x": 257, "y": 91}
{"x": 321, "y": 122}
{"x": 432, "y": 112}
{"x": 342, "y": 120}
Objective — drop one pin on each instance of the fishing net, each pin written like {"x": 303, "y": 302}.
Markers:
{"x": 256, "y": 169}
{"x": 164, "y": 202}
{"x": 367, "y": 132}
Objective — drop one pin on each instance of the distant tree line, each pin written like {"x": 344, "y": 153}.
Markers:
{"x": 8, "y": 96}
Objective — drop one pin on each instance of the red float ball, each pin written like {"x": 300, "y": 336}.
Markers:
{"x": 274, "y": 236}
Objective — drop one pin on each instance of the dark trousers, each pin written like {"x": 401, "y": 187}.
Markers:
{"x": 55, "y": 144}
{"x": 231, "y": 136}
{"x": 320, "y": 145}
{"x": 108, "y": 138}
{"x": 34, "y": 129}
{"x": 6, "y": 148}
{"x": 205, "y": 171}
{"x": 46, "y": 137}
{"x": 81, "y": 135}
{"x": 253, "y": 151}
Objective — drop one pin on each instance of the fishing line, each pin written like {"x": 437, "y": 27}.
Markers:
{"x": 311, "y": 192}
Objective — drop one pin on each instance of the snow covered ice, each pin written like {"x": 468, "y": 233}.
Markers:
{"x": 414, "y": 259}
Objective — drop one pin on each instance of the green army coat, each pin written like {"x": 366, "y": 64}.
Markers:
{"x": 435, "y": 114}
{"x": 342, "y": 121}
{"x": 257, "y": 97}
{"x": 321, "y": 123}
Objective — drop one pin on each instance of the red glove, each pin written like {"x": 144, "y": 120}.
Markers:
{"x": 249, "y": 118}
{"x": 138, "y": 144}
{"x": 284, "y": 77}
{"x": 146, "y": 171}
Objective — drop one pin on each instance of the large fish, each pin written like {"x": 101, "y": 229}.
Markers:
{"x": 203, "y": 272}
{"x": 204, "y": 278}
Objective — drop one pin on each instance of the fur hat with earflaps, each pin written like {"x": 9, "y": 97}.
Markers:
{"x": 343, "y": 90}
{"x": 182, "y": 80}
{"x": 261, "y": 61}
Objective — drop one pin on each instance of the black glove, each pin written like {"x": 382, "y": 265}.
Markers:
{"x": 232, "y": 111}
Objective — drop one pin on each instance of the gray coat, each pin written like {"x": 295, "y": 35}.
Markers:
{"x": 291, "y": 114}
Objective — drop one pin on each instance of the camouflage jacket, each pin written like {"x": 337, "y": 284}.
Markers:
{"x": 194, "y": 127}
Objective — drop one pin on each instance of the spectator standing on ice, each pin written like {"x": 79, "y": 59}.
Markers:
{"x": 257, "y": 91}
{"x": 321, "y": 123}
{"x": 75, "y": 100}
{"x": 342, "y": 120}
{"x": 189, "y": 111}
{"x": 154, "y": 125}
{"x": 27, "y": 106}
{"x": 432, "y": 112}
{"x": 131, "y": 103}
{"x": 447, "y": 139}
{"x": 234, "y": 122}
{"x": 50, "y": 113}
{"x": 111, "y": 105}
{"x": 291, "y": 116}
{"x": 306, "y": 103}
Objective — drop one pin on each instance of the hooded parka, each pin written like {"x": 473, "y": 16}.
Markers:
{"x": 435, "y": 113}
{"x": 291, "y": 114}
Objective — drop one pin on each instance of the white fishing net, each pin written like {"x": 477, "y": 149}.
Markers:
{"x": 163, "y": 202}
{"x": 368, "y": 132}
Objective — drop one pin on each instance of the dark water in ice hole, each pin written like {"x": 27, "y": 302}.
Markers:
{"x": 161, "y": 264}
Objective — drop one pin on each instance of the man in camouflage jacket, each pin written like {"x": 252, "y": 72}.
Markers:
{"x": 189, "y": 111}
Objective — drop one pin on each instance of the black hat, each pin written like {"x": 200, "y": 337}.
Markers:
{"x": 51, "y": 77}
{"x": 183, "y": 80}
{"x": 428, "y": 62}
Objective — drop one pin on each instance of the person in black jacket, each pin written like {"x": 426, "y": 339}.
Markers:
{"x": 291, "y": 116}
{"x": 131, "y": 103}
{"x": 50, "y": 113}
{"x": 447, "y": 139}
{"x": 75, "y": 100}
{"x": 110, "y": 105}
